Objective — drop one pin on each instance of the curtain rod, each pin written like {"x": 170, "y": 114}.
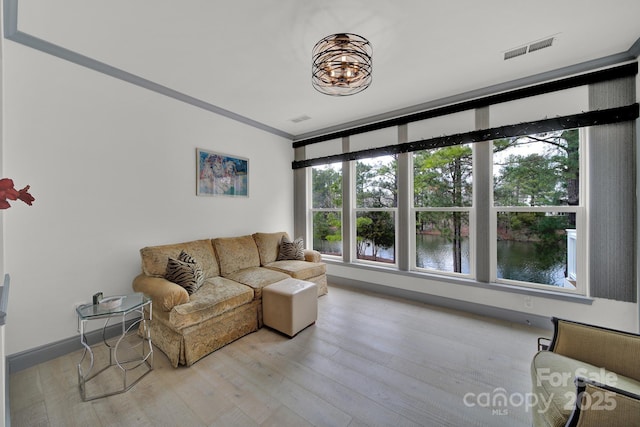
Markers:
{"x": 590, "y": 118}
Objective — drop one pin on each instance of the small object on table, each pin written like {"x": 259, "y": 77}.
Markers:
{"x": 97, "y": 297}
{"x": 111, "y": 302}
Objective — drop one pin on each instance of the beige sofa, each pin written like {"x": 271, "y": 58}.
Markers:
{"x": 228, "y": 305}
{"x": 588, "y": 376}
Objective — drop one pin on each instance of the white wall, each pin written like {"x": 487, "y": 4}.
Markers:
{"x": 112, "y": 169}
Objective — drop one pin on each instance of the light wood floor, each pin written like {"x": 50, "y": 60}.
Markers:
{"x": 368, "y": 361}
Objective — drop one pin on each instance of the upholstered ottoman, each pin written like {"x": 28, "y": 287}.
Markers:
{"x": 290, "y": 305}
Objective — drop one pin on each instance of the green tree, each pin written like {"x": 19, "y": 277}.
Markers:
{"x": 528, "y": 181}
{"x": 442, "y": 178}
{"x": 327, "y": 188}
{"x": 548, "y": 177}
{"x": 377, "y": 184}
{"x": 562, "y": 151}
{"x": 376, "y": 187}
{"x": 375, "y": 228}
{"x": 327, "y": 227}
{"x": 327, "y": 194}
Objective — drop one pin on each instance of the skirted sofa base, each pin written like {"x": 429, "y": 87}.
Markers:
{"x": 228, "y": 305}
{"x": 191, "y": 343}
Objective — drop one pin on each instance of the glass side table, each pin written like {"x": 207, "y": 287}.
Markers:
{"x": 129, "y": 353}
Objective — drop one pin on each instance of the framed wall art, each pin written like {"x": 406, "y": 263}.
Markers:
{"x": 221, "y": 174}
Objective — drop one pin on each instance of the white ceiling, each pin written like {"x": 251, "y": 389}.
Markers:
{"x": 253, "y": 57}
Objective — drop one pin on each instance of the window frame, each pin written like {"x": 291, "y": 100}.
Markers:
{"x": 581, "y": 226}
{"x": 580, "y": 231}
{"x": 312, "y": 211}
{"x": 354, "y": 226}
{"x": 470, "y": 210}
{"x": 472, "y": 229}
{"x": 354, "y": 209}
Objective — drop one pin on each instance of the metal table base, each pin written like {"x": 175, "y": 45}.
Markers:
{"x": 140, "y": 354}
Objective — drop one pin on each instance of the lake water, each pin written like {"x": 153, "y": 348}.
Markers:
{"x": 523, "y": 261}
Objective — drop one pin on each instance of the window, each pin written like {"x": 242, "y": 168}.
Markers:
{"x": 532, "y": 217}
{"x": 442, "y": 202}
{"x": 536, "y": 208}
{"x": 375, "y": 212}
{"x": 326, "y": 209}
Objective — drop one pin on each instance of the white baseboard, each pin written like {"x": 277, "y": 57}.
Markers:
{"x": 542, "y": 322}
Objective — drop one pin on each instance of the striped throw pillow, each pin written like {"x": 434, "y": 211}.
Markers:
{"x": 291, "y": 250}
{"x": 185, "y": 271}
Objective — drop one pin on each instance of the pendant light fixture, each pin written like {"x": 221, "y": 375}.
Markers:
{"x": 341, "y": 64}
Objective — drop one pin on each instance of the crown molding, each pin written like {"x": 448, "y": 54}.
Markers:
{"x": 12, "y": 33}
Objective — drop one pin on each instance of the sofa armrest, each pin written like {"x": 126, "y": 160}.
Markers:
{"x": 614, "y": 350}
{"x": 601, "y": 405}
{"x": 312, "y": 255}
{"x": 164, "y": 294}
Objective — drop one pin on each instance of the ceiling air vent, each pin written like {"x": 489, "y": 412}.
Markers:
{"x": 531, "y": 47}
{"x": 540, "y": 45}
{"x": 515, "y": 52}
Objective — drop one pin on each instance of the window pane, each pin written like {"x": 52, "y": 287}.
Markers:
{"x": 327, "y": 232}
{"x": 442, "y": 241}
{"x": 377, "y": 182}
{"x": 532, "y": 247}
{"x": 537, "y": 170}
{"x": 327, "y": 186}
{"x": 443, "y": 177}
{"x": 375, "y": 236}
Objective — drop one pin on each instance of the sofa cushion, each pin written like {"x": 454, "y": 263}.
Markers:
{"x": 154, "y": 258}
{"x": 269, "y": 245}
{"x": 553, "y": 376}
{"x": 291, "y": 250}
{"x": 258, "y": 278}
{"x": 185, "y": 271}
{"x": 215, "y": 297}
{"x": 236, "y": 253}
{"x": 299, "y": 269}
